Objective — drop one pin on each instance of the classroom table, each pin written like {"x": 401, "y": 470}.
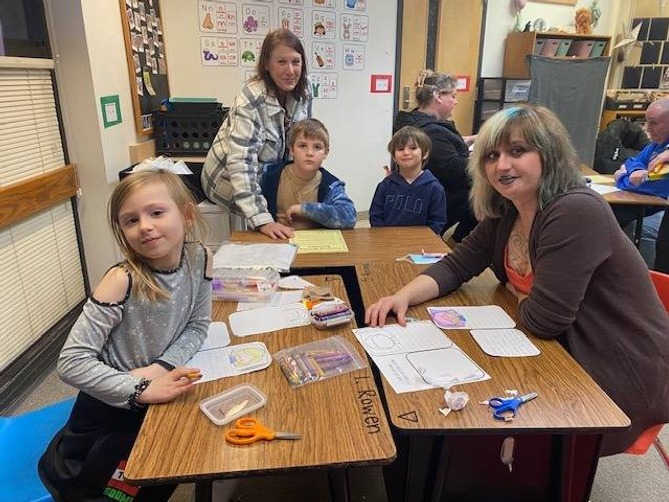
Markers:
{"x": 569, "y": 416}
{"x": 622, "y": 197}
{"x": 341, "y": 420}
{"x": 365, "y": 245}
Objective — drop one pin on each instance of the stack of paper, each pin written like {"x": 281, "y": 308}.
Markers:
{"x": 278, "y": 256}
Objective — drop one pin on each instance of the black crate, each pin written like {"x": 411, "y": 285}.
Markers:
{"x": 186, "y": 132}
{"x": 192, "y": 181}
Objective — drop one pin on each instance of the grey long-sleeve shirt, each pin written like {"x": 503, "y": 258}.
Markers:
{"x": 109, "y": 340}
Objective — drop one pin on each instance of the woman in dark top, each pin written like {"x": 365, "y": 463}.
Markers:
{"x": 436, "y": 99}
{"x": 557, "y": 247}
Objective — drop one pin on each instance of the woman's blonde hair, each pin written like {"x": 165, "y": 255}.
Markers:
{"x": 544, "y": 133}
{"x": 430, "y": 82}
{"x": 143, "y": 281}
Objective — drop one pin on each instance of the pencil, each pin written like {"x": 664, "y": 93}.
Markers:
{"x": 193, "y": 377}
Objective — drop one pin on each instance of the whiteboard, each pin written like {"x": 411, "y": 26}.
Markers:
{"x": 359, "y": 121}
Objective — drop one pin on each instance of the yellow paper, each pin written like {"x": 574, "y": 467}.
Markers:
{"x": 319, "y": 241}
{"x": 599, "y": 179}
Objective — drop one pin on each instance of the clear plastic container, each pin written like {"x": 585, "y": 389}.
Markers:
{"x": 238, "y": 401}
{"x": 242, "y": 285}
{"x": 330, "y": 314}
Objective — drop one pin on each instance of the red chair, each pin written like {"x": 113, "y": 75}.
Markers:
{"x": 649, "y": 436}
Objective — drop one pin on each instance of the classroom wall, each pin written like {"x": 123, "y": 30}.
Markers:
{"x": 88, "y": 49}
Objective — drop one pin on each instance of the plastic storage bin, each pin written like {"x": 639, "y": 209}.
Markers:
{"x": 186, "y": 132}
{"x": 243, "y": 285}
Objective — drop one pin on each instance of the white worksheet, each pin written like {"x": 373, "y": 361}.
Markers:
{"x": 504, "y": 342}
{"x": 293, "y": 282}
{"x": 486, "y": 317}
{"x": 268, "y": 319}
{"x": 223, "y": 362}
{"x": 418, "y": 357}
{"x": 603, "y": 189}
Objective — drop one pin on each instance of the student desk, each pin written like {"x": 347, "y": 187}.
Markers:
{"x": 341, "y": 421}
{"x": 623, "y": 197}
{"x": 565, "y": 422}
{"x": 365, "y": 245}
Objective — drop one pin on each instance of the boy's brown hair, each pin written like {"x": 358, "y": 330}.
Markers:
{"x": 311, "y": 129}
{"x": 410, "y": 134}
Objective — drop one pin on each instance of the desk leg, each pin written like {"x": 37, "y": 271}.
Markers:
{"x": 338, "y": 480}
{"x": 203, "y": 491}
{"x": 580, "y": 456}
{"x": 440, "y": 472}
{"x": 638, "y": 226}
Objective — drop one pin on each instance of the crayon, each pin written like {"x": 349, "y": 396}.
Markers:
{"x": 194, "y": 376}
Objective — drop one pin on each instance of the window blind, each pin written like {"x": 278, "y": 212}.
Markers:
{"x": 40, "y": 267}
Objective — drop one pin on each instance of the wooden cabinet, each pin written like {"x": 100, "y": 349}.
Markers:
{"x": 563, "y": 45}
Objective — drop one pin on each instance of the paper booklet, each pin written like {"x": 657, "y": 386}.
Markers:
{"x": 418, "y": 357}
{"x": 216, "y": 359}
{"x": 276, "y": 256}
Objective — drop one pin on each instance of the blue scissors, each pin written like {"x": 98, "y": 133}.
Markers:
{"x": 505, "y": 408}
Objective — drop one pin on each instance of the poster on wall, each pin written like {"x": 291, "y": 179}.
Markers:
{"x": 334, "y": 34}
{"x": 147, "y": 62}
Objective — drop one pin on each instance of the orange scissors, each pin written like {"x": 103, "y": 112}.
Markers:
{"x": 249, "y": 430}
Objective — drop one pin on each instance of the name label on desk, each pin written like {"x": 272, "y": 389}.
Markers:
{"x": 368, "y": 398}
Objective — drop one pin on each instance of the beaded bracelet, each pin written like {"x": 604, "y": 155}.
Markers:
{"x": 164, "y": 364}
{"x": 132, "y": 398}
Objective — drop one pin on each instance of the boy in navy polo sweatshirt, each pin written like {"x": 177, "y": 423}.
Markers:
{"x": 301, "y": 194}
{"x": 409, "y": 196}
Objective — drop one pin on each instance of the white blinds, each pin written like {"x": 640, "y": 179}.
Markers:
{"x": 40, "y": 270}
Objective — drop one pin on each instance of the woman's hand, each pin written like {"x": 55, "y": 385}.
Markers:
{"x": 276, "y": 230}
{"x": 620, "y": 172}
{"x": 169, "y": 386}
{"x": 657, "y": 162}
{"x": 376, "y": 314}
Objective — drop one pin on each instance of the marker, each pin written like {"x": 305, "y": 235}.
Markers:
{"x": 194, "y": 377}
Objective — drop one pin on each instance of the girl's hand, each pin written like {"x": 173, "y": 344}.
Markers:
{"x": 168, "y": 387}
{"x": 276, "y": 230}
{"x": 376, "y": 314}
{"x": 295, "y": 209}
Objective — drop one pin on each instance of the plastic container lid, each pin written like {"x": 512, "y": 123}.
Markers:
{"x": 227, "y": 406}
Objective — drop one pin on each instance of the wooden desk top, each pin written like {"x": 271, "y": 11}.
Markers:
{"x": 569, "y": 400}
{"x": 341, "y": 419}
{"x": 365, "y": 245}
{"x": 624, "y": 197}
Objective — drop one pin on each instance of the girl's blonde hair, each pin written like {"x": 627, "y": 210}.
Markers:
{"x": 544, "y": 133}
{"x": 143, "y": 281}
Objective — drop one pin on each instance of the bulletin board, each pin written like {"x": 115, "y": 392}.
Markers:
{"x": 147, "y": 61}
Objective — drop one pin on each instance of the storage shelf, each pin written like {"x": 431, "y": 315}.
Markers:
{"x": 520, "y": 44}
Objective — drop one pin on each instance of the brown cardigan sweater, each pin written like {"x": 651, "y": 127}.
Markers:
{"x": 592, "y": 290}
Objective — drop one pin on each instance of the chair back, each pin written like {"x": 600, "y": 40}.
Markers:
{"x": 661, "y": 282}
{"x": 23, "y": 440}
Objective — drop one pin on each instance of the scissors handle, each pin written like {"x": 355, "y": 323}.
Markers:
{"x": 248, "y": 430}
